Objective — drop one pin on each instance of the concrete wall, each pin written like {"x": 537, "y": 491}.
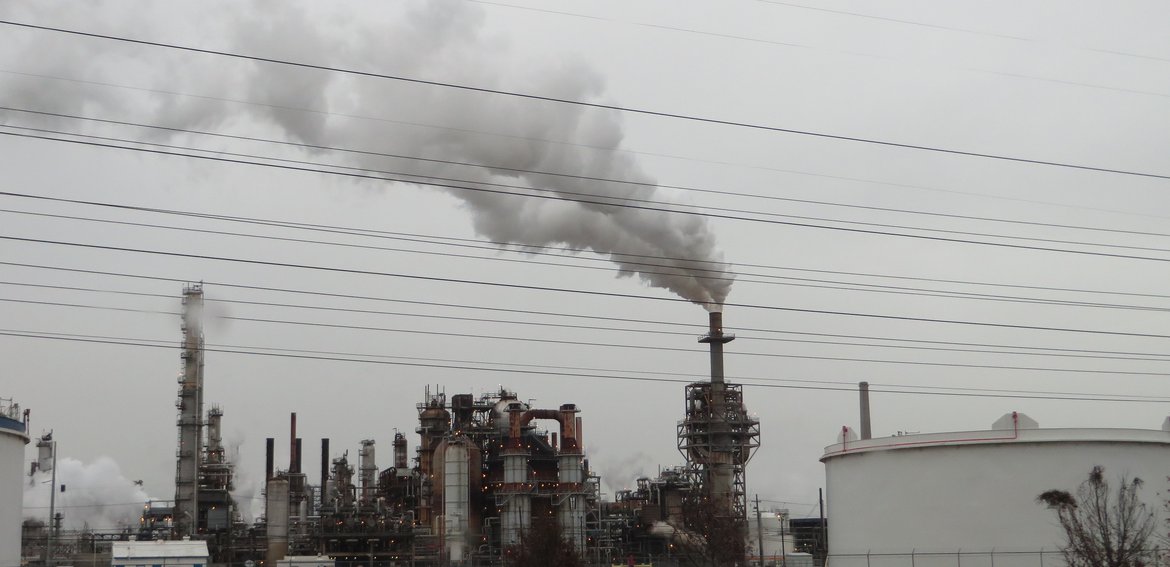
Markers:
{"x": 953, "y": 499}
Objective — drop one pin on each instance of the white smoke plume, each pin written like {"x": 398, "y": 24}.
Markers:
{"x": 438, "y": 39}
{"x": 96, "y": 495}
{"x": 247, "y": 488}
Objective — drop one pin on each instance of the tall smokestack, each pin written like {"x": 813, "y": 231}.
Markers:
{"x": 324, "y": 471}
{"x": 269, "y": 450}
{"x": 716, "y": 338}
{"x": 865, "y": 432}
{"x": 292, "y": 444}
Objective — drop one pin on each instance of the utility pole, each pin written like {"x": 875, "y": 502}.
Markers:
{"x": 759, "y": 530}
{"x": 783, "y": 553}
{"x": 824, "y": 539}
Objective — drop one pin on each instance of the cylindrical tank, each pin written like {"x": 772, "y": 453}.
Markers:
{"x": 517, "y": 512}
{"x": 276, "y": 513}
{"x": 571, "y": 511}
{"x": 13, "y": 438}
{"x": 456, "y": 474}
{"x": 973, "y": 493}
{"x": 367, "y": 471}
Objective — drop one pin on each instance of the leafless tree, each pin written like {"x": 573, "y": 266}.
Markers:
{"x": 542, "y": 546}
{"x": 1103, "y": 528}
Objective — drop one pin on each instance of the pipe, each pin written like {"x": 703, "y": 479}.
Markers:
{"x": 865, "y": 430}
{"x": 269, "y": 448}
{"x": 570, "y": 424}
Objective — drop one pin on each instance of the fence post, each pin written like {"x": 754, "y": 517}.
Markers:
{"x": 1041, "y": 557}
{"x": 867, "y": 558}
{"x": 993, "y": 557}
{"x": 959, "y": 558}
{"x": 912, "y": 553}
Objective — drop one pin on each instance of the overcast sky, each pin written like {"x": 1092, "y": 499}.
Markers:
{"x": 841, "y": 249}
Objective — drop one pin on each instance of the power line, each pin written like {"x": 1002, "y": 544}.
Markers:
{"x": 759, "y": 40}
{"x": 585, "y": 104}
{"x": 567, "y": 175}
{"x": 838, "y": 285}
{"x": 586, "y": 198}
{"x": 536, "y": 248}
{"x": 121, "y": 342}
{"x": 950, "y": 28}
{"x": 322, "y": 293}
{"x": 581, "y": 145}
{"x": 1063, "y": 353}
{"x": 382, "y": 178}
{"x": 478, "y": 336}
{"x": 419, "y": 277}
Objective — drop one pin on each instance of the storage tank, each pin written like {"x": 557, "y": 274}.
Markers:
{"x": 460, "y": 462}
{"x": 969, "y": 498}
{"x": 276, "y": 516}
{"x": 13, "y": 438}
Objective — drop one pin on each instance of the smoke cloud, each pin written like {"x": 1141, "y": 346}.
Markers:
{"x": 442, "y": 40}
{"x": 96, "y": 495}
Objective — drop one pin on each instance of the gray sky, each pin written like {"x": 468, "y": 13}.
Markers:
{"x": 1085, "y": 84}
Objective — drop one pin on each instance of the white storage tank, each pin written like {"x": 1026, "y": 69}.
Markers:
{"x": 968, "y": 499}
{"x": 13, "y": 438}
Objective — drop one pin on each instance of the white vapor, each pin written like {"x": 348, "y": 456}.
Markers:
{"x": 96, "y": 495}
{"x": 439, "y": 39}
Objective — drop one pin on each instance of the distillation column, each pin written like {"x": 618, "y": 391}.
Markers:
{"x": 571, "y": 476}
{"x": 190, "y": 405}
{"x": 367, "y": 472}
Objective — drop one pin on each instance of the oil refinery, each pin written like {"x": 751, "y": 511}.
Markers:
{"x": 486, "y": 476}
{"x": 489, "y": 475}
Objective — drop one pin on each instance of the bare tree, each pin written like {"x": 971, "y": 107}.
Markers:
{"x": 542, "y": 546}
{"x": 1104, "y": 529}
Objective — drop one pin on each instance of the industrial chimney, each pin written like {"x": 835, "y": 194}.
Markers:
{"x": 864, "y": 391}
{"x": 716, "y": 338}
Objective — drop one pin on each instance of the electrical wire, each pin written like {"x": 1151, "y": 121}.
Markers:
{"x": 698, "y": 328}
{"x": 585, "y": 104}
{"x": 1062, "y": 353}
{"x": 93, "y": 339}
{"x": 419, "y": 277}
{"x": 549, "y": 341}
{"x": 566, "y": 175}
{"x": 381, "y": 178}
{"x": 837, "y": 285}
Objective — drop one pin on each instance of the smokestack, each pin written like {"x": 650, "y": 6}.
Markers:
{"x": 269, "y": 448}
{"x": 296, "y": 464}
{"x": 292, "y": 444}
{"x": 865, "y": 432}
{"x": 324, "y": 471}
{"x": 716, "y": 338}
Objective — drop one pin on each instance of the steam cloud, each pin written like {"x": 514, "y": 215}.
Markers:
{"x": 96, "y": 495}
{"x": 433, "y": 39}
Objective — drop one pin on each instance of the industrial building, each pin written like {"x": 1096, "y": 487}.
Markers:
{"x": 177, "y": 553}
{"x": 969, "y": 498}
{"x": 487, "y": 469}
{"x": 485, "y": 472}
{"x": 13, "y": 438}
